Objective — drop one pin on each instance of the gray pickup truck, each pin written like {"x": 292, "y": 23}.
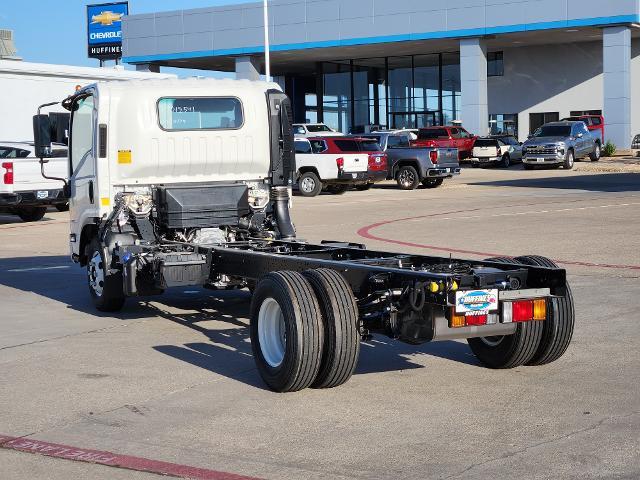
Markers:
{"x": 560, "y": 144}
{"x": 411, "y": 166}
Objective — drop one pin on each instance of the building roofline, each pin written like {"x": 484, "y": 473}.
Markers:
{"x": 445, "y": 34}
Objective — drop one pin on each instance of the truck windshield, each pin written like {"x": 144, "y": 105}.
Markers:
{"x": 553, "y": 131}
{"x": 318, "y": 128}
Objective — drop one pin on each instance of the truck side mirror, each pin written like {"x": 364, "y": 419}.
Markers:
{"x": 42, "y": 136}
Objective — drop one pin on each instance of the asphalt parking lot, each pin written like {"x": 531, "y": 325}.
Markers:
{"x": 172, "y": 379}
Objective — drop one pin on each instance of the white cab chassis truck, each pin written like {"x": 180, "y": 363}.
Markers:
{"x": 180, "y": 183}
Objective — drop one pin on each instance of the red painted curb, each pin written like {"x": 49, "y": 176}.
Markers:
{"x": 365, "y": 232}
{"x": 110, "y": 459}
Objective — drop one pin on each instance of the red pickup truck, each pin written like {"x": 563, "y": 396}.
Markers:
{"x": 447, "y": 137}
{"x": 594, "y": 123}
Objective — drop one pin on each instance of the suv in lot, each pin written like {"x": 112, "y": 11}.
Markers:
{"x": 313, "y": 130}
{"x": 338, "y": 163}
{"x": 410, "y": 166}
{"x": 497, "y": 150}
{"x": 560, "y": 144}
{"x": 447, "y": 137}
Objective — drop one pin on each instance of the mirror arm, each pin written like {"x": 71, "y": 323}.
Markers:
{"x": 42, "y": 161}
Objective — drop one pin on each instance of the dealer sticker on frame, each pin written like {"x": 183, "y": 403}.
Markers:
{"x": 477, "y": 301}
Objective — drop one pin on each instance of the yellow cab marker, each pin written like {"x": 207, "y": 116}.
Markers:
{"x": 105, "y": 201}
{"x": 124, "y": 157}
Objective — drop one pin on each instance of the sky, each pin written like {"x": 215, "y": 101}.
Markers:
{"x": 54, "y": 31}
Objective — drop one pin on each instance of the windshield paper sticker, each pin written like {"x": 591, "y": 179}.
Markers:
{"x": 477, "y": 301}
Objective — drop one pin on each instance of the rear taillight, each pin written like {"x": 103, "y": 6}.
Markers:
{"x": 433, "y": 156}
{"x": 8, "y": 173}
{"x": 340, "y": 163}
{"x": 524, "y": 311}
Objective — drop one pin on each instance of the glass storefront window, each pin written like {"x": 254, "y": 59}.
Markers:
{"x": 500, "y": 124}
{"x": 451, "y": 88}
{"x": 337, "y": 96}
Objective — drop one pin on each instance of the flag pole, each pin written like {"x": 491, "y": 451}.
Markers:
{"x": 267, "y": 53}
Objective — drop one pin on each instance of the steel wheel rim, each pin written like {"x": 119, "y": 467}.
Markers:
{"x": 571, "y": 160}
{"x": 95, "y": 271}
{"x": 308, "y": 185}
{"x": 492, "y": 341}
{"x": 598, "y": 151}
{"x": 407, "y": 178}
{"x": 272, "y": 332}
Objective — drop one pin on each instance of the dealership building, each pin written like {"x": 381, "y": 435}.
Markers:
{"x": 499, "y": 66}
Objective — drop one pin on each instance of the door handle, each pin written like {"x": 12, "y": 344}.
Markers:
{"x": 91, "y": 191}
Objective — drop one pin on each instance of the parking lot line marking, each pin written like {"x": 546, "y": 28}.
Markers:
{"x": 36, "y": 269}
{"x": 110, "y": 459}
{"x": 365, "y": 232}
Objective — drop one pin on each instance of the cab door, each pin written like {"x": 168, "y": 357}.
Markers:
{"x": 84, "y": 201}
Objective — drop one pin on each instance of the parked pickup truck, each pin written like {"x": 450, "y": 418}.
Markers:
{"x": 410, "y": 166}
{"x": 447, "y": 137}
{"x": 336, "y": 163}
{"x": 560, "y": 144}
{"x": 23, "y": 191}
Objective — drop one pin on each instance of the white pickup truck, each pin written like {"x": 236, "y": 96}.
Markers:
{"x": 23, "y": 190}
{"x": 336, "y": 163}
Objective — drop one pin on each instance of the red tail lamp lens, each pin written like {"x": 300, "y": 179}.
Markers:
{"x": 433, "y": 156}
{"x": 8, "y": 173}
{"x": 523, "y": 311}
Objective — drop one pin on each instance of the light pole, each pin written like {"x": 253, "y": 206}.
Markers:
{"x": 267, "y": 54}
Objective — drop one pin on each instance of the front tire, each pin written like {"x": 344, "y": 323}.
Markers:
{"x": 341, "y": 328}
{"x": 408, "y": 178}
{"x": 506, "y": 161}
{"x": 509, "y": 351}
{"x": 309, "y": 184}
{"x": 286, "y": 331}
{"x": 569, "y": 160}
{"x": 31, "y": 214}
{"x": 596, "y": 154}
{"x": 106, "y": 288}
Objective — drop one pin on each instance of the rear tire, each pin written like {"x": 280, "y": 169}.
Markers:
{"x": 286, "y": 331}
{"x": 341, "y": 329}
{"x": 408, "y": 178}
{"x": 597, "y": 153}
{"x": 509, "y": 351}
{"x": 31, "y": 214}
{"x": 432, "y": 182}
{"x": 558, "y": 328}
{"x": 106, "y": 288}
{"x": 338, "y": 189}
{"x": 309, "y": 185}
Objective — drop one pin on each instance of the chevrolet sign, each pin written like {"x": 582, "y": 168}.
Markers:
{"x": 104, "y": 29}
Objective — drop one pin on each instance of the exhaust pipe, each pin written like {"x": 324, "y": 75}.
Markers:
{"x": 280, "y": 196}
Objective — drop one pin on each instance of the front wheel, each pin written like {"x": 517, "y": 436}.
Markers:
{"x": 596, "y": 154}
{"x": 31, "y": 214}
{"x": 506, "y": 161}
{"x": 432, "y": 182}
{"x": 106, "y": 288}
{"x": 408, "y": 178}
{"x": 569, "y": 160}
{"x": 309, "y": 184}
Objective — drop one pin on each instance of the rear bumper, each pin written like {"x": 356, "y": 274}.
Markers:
{"x": 484, "y": 160}
{"x": 353, "y": 177}
{"x": 442, "y": 172}
{"x": 32, "y": 198}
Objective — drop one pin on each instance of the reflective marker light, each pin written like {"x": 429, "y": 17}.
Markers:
{"x": 540, "y": 309}
{"x": 476, "y": 320}
{"x": 457, "y": 321}
{"x": 522, "y": 311}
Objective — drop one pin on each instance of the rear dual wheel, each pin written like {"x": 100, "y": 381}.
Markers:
{"x": 533, "y": 343}
{"x": 304, "y": 330}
